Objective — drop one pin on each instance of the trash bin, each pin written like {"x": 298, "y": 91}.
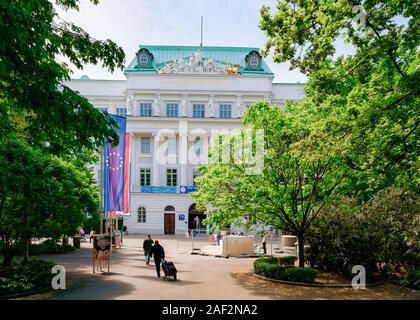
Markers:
{"x": 76, "y": 242}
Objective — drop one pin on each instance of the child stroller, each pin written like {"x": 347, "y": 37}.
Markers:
{"x": 169, "y": 270}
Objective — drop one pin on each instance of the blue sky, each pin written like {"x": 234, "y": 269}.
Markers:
{"x": 174, "y": 22}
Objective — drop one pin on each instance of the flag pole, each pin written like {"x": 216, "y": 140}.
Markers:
{"x": 102, "y": 190}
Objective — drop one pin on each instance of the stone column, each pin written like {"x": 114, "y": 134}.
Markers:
{"x": 183, "y": 157}
{"x": 156, "y": 162}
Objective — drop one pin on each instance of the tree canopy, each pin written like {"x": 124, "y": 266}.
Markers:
{"x": 53, "y": 116}
{"x": 40, "y": 196}
{"x": 368, "y": 100}
{"x": 48, "y": 131}
{"x": 293, "y": 186}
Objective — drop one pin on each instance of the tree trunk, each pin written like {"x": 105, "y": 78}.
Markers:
{"x": 301, "y": 249}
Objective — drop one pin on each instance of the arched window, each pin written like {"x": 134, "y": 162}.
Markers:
{"x": 169, "y": 208}
{"x": 141, "y": 215}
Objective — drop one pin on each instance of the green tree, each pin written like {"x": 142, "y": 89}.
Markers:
{"x": 49, "y": 132}
{"x": 298, "y": 176}
{"x": 40, "y": 196}
{"x": 368, "y": 100}
{"x": 51, "y": 115}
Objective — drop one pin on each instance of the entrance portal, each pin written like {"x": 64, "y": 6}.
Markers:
{"x": 169, "y": 221}
{"x": 195, "y": 218}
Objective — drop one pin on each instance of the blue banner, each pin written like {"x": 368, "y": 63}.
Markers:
{"x": 158, "y": 189}
{"x": 187, "y": 189}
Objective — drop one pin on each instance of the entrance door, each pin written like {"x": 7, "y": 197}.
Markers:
{"x": 195, "y": 219}
{"x": 169, "y": 223}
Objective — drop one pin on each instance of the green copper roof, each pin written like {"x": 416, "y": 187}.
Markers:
{"x": 162, "y": 55}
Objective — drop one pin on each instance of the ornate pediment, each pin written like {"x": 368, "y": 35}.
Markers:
{"x": 196, "y": 63}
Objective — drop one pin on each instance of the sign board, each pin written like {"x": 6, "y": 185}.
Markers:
{"x": 101, "y": 251}
{"x": 181, "y": 217}
{"x": 116, "y": 239}
{"x": 102, "y": 242}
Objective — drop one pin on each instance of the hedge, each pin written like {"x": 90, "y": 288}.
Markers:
{"x": 287, "y": 260}
{"x": 49, "y": 247}
{"x": 270, "y": 268}
{"x": 20, "y": 277}
{"x": 412, "y": 279}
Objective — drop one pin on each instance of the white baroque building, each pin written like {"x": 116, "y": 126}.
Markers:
{"x": 173, "y": 97}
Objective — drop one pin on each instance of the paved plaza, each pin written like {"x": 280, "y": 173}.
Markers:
{"x": 200, "y": 277}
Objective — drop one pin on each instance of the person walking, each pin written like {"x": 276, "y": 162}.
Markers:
{"x": 91, "y": 236}
{"x": 147, "y": 247}
{"x": 219, "y": 237}
{"x": 158, "y": 254}
{"x": 264, "y": 243}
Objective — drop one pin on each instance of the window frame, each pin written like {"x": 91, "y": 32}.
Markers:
{"x": 223, "y": 111}
{"x": 145, "y": 174}
{"x": 141, "y": 215}
{"x": 172, "y": 146}
{"x": 201, "y": 112}
{"x": 141, "y": 145}
{"x": 171, "y": 177}
{"x": 172, "y": 107}
{"x": 149, "y": 109}
{"x": 119, "y": 109}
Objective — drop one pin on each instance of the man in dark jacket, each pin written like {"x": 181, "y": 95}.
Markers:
{"x": 158, "y": 255}
{"x": 147, "y": 247}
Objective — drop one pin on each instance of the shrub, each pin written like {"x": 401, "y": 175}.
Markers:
{"x": 412, "y": 279}
{"x": 20, "y": 277}
{"x": 49, "y": 247}
{"x": 287, "y": 260}
{"x": 295, "y": 274}
{"x": 382, "y": 235}
{"x": 270, "y": 268}
{"x": 269, "y": 259}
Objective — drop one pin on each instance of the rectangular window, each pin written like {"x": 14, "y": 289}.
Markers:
{"x": 141, "y": 215}
{"x": 145, "y": 110}
{"x": 172, "y": 110}
{"x": 144, "y": 177}
{"x": 171, "y": 177}
{"x": 122, "y": 112}
{"x": 103, "y": 109}
{"x": 198, "y": 110}
{"x": 145, "y": 145}
{"x": 172, "y": 146}
{"x": 225, "y": 111}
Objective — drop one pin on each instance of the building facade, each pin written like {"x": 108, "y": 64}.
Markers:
{"x": 174, "y": 98}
